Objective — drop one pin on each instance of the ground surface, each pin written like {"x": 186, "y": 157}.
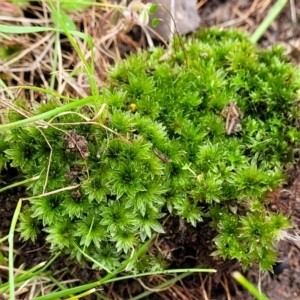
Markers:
{"x": 184, "y": 246}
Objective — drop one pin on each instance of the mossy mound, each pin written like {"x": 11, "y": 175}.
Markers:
{"x": 203, "y": 134}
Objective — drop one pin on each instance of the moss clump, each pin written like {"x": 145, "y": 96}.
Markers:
{"x": 204, "y": 135}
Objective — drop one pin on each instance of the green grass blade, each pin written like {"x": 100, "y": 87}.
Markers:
{"x": 247, "y": 285}
{"x": 91, "y": 259}
{"x": 273, "y": 13}
{"x": 105, "y": 279}
{"x": 4, "y": 239}
{"x": 161, "y": 286}
{"x": 40, "y": 90}
{"x": 172, "y": 271}
{"x": 89, "y": 67}
{"x": 50, "y": 113}
{"x": 30, "y": 274}
{"x": 4, "y": 86}
{"x": 11, "y": 251}
{"x": 18, "y": 183}
{"x": 33, "y": 29}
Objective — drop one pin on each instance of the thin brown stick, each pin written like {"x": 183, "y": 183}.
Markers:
{"x": 245, "y": 16}
{"x": 225, "y": 286}
{"x": 202, "y": 286}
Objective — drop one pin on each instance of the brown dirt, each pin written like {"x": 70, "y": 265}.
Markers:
{"x": 184, "y": 245}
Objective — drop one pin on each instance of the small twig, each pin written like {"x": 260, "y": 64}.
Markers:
{"x": 201, "y": 3}
{"x": 172, "y": 22}
{"x": 22, "y": 20}
{"x": 293, "y": 11}
{"x": 71, "y": 187}
{"x": 4, "y": 67}
{"x": 242, "y": 18}
{"x": 202, "y": 288}
{"x": 225, "y": 286}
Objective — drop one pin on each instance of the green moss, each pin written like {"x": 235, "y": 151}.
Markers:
{"x": 169, "y": 152}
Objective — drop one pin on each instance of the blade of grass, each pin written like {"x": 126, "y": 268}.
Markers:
{"x": 91, "y": 259}
{"x": 91, "y": 285}
{"x": 54, "y": 60}
{"x": 57, "y": 283}
{"x": 161, "y": 286}
{"x": 3, "y": 85}
{"x": 41, "y": 90}
{"x": 3, "y": 261}
{"x": 186, "y": 273}
{"x": 19, "y": 183}
{"x": 172, "y": 271}
{"x": 4, "y": 239}
{"x": 32, "y": 29}
{"x": 89, "y": 67}
{"x": 30, "y": 274}
{"x": 88, "y": 286}
{"x": 88, "y": 2}
{"x": 11, "y": 251}
{"x": 247, "y": 285}
{"x": 273, "y": 13}
{"x": 50, "y": 113}
{"x": 87, "y": 293}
